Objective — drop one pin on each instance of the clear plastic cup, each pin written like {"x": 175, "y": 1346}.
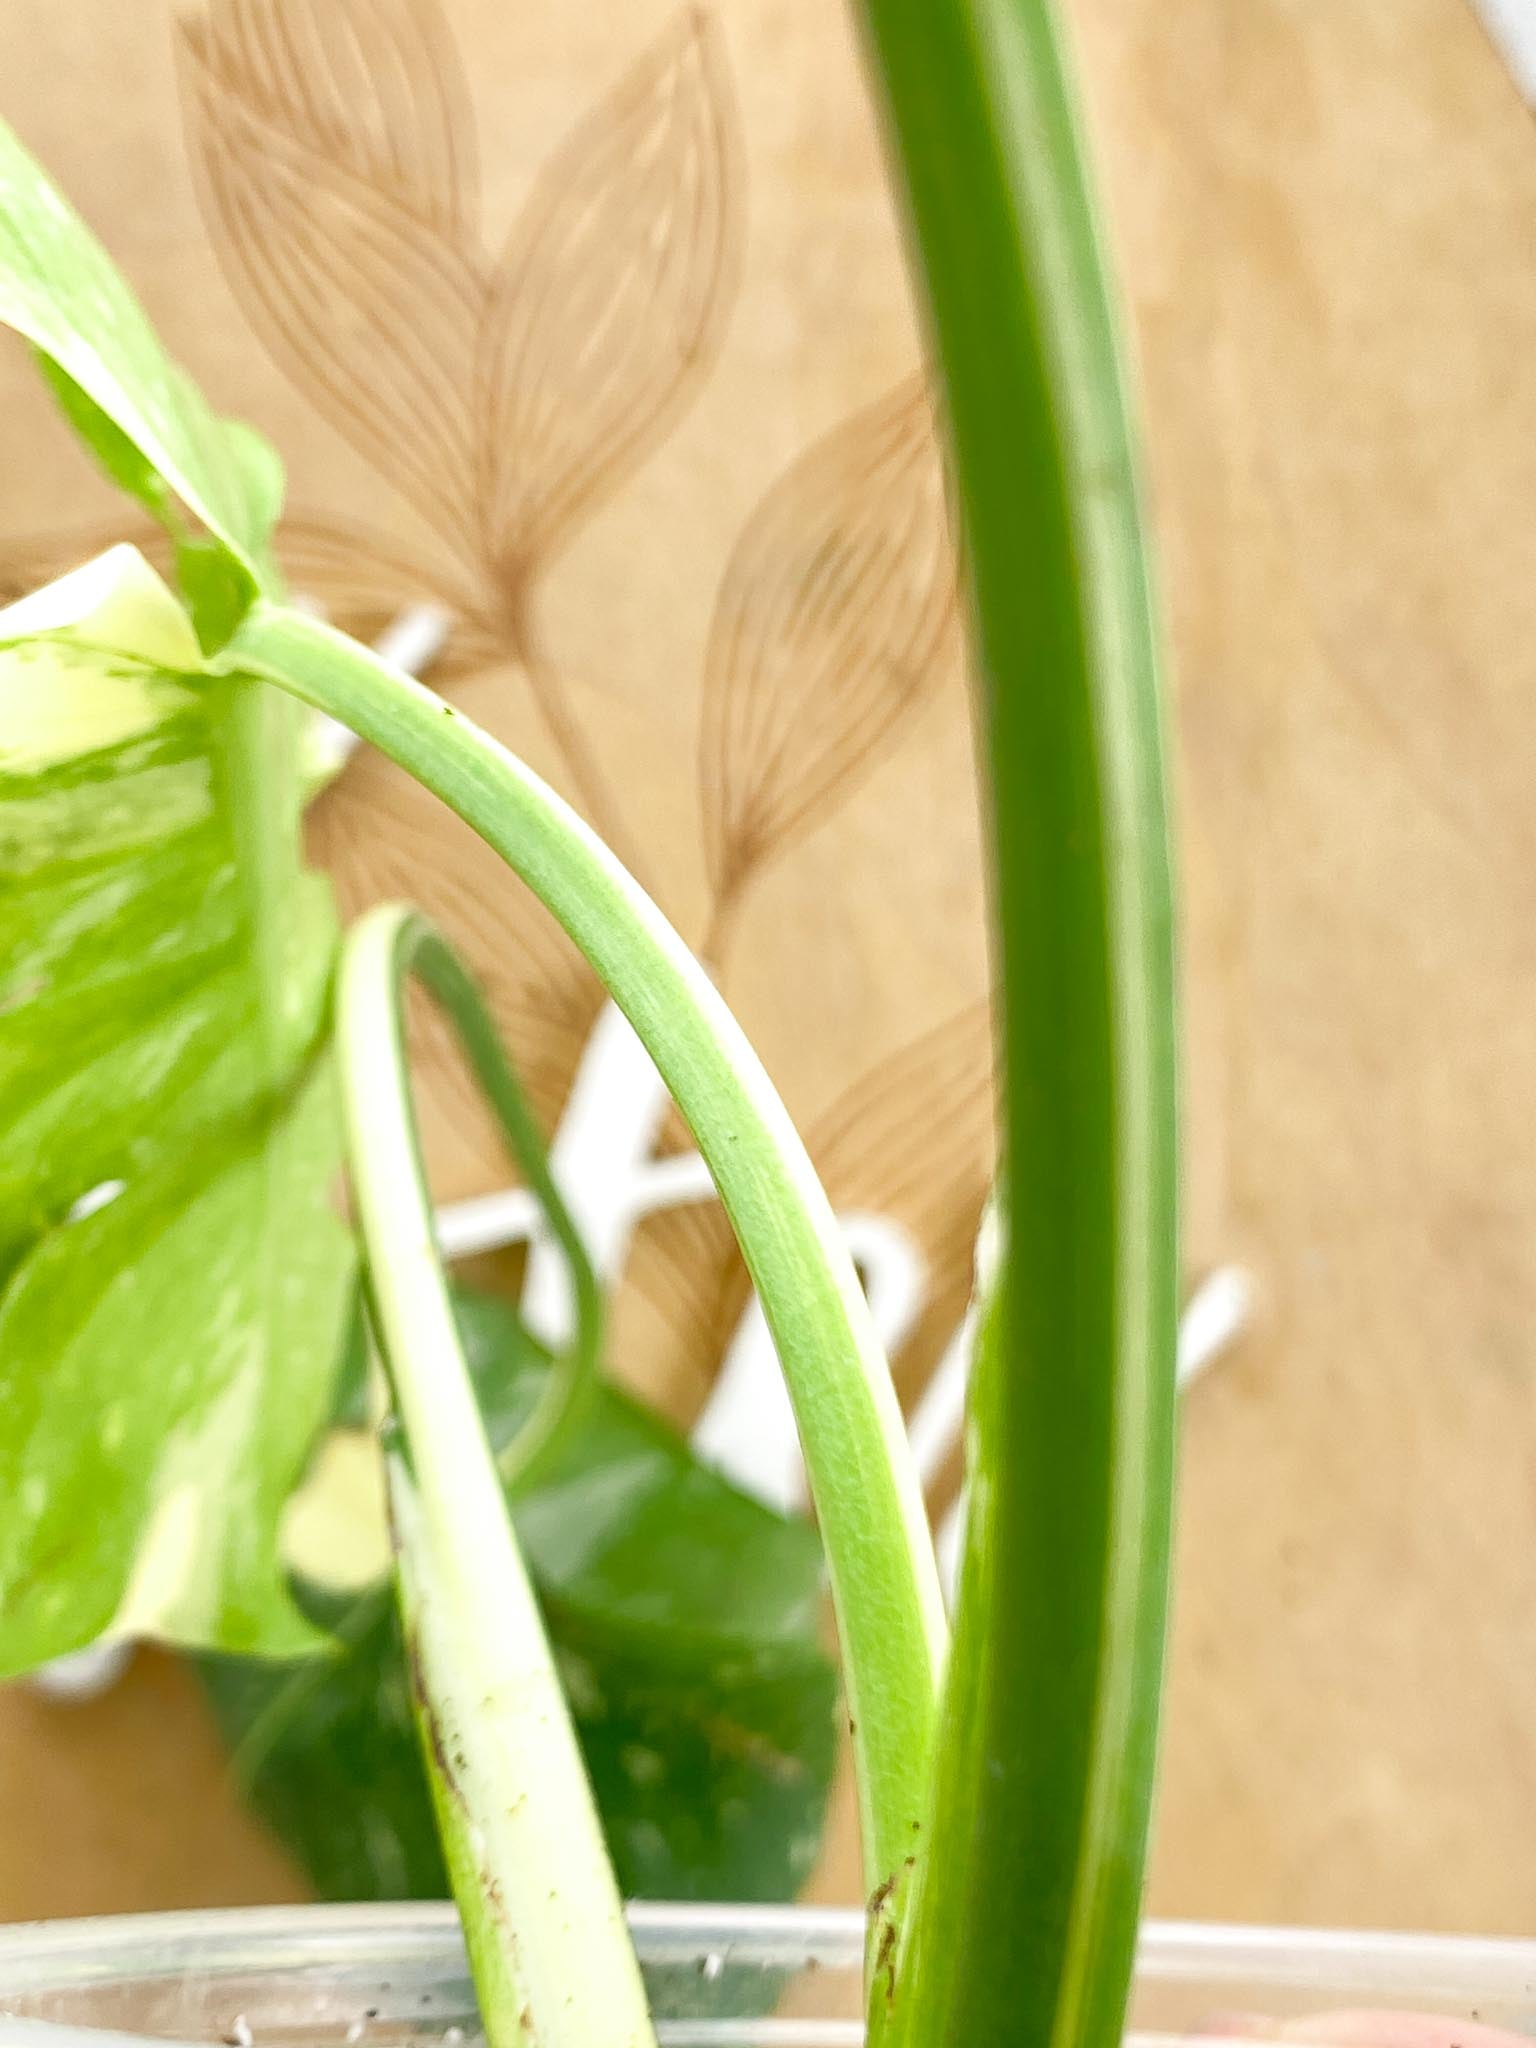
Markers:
{"x": 774, "y": 1977}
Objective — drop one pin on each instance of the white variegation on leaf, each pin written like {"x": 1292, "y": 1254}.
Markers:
{"x": 173, "y": 1282}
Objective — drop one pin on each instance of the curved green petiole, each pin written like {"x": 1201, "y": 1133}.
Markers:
{"x": 575, "y": 1375}
{"x": 867, "y": 1498}
{"x": 543, "y": 1919}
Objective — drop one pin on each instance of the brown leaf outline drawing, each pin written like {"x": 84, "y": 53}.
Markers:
{"x": 932, "y": 1180}
{"x": 507, "y": 400}
{"x": 359, "y": 579}
{"x": 332, "y": 139}
{"x": 610, "y": 299}
{"x": 362, "y": 580}
{"x": 31, "y": 560}
{"x": 828, "y": 630}
{"x": 911, "y": 1140}
{"x": 382, "y": 839}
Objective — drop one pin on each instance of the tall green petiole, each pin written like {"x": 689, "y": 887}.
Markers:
{"x": 874, "y": 1530}
{"x": 1030, "y": 1890}
{"x": 543, "y": 1919}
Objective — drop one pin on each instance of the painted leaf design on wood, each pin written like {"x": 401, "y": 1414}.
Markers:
{"x": 331, "y": 136}
{"x": 911, "y": 1140}
{"x": 381, "y": 838}
{"x": 915, "y": 1140}
{"x": 828, "y": 630}
{"x": 362, "y": 580}
{"x": 31, "y": 560}
{"x": 611, "y": 296}
{"x": 916, "y": 1133}
{"x": 544, "y": 1022}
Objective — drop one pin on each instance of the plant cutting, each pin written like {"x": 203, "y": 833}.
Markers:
{"x": 186, "y": 1049}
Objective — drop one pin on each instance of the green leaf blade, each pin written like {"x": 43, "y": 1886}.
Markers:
{"x": 165, "y": 1360}
{"x": 140, "y": 414}
{"x": 161, "y": 1402}
{"x": 154, "y": 983}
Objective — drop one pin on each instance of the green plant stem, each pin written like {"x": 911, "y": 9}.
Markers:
{"x": 575, "y": 1376}
{"x": 543, "y": 1919}
{"x": 1029, "y": 1896}
{"x": 868, "y": 1501}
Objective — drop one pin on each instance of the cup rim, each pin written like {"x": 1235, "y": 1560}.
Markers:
{"x": 1436, "y": 1968}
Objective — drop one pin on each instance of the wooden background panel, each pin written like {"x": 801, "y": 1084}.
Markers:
{"x": 1329, "y": 218}
{"x": 1327, "y": 215}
